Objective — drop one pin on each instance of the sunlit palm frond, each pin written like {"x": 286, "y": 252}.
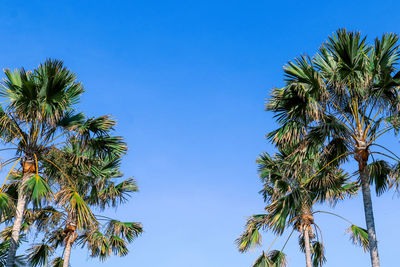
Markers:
{"x": 277, "y": 258}
{"x": 76, "y": 205}
{"x": 118, "y": 246}
{"x": 98, "y": 244}
{"x": 96, "y": 126}
{"x": 274, "y": 258}
{"x": 113, "y": 194}
{"x": 285, "y": 209}
{"x": 7, "y": 206}
{"x": 124, "y": 230}
{"x": 251, "y": 237}
{"x": 359, "y": 236}
{"x": 38, "y": 189}
{"x": 262, "y": 261}
{"x": 57, "y": 90}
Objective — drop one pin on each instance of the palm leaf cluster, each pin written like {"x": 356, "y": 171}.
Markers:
{"x": 334, "y": 108}
{"x": 65, "y": 168}
{"x": 291, "y": 190}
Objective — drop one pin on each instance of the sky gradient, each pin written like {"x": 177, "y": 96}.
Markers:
{"x": 187, "y": 82}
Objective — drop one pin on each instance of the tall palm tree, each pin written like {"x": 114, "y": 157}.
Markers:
{"x": 85, "y": 180}
{"x": 290, "y": 196}
{"x": 345, "y": 97}
{"x": 38, "y": 115}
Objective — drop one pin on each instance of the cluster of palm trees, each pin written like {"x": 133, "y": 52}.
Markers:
{"x": 333, "y": 109}
{"x": 64, "y": 169}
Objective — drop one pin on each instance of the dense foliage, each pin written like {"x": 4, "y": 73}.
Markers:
{"x": 335, "y": 106}
{"x": 69, "y": 168}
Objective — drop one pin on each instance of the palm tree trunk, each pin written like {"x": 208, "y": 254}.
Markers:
{"x": 369, "y": 214}
{"x": 70, "y": 231}
{"x": 67, "y": 252}
{"x": 307, "y": 246}
{"x": 19, "y": 216}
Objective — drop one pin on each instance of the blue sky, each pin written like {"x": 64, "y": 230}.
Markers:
{"x": 187, "y": 82}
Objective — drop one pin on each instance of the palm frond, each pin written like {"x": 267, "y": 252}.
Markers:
{"x": 125, "y": 230}
{"x": 359, "y": 236}
{"x": 7, "y": 206}
{"x": 251, "y": 237}
{"x": 114, "y": 194}
{"x": 39, "y": 255}
{"x": 379, "y": 173}
{"x": 274, "y": 258}
{"x": 76, "y": 205}
{"x": 39, "y": 189}
{"x": 318, "y": 254}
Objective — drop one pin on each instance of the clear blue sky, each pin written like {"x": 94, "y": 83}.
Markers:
{"x": 187, "y": 82}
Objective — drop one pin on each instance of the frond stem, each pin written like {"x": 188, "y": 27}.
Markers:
{"x": 1, "y": 189}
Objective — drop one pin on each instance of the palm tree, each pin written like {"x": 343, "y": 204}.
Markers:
{"x": 345, "y": 97}
{"x": 39, "y": 116}
{"x": 290, "y": 196}
{"x": 85, "y": 179}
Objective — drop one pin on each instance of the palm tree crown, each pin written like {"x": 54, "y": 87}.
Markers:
{"x": 345, "y": 97}
{"x": 291, "y": 189}
{"x": 39, "y": 116}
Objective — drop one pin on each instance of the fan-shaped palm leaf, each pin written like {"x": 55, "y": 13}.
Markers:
{"x": 359, "y": 236}
{"x": 39, "y": 254}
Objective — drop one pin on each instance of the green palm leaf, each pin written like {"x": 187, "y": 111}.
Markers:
{"x": 6, "y": 205}
{"x": 99, "y": 245}
{"x": 76, "y": 205}
{"x": 359, "y": 236}
{"x": 118, "y": 246}
{"x": 114, "y": 194}
{"x": 39, "y": 189}
{"x": 277, "y": 258}
{"x": 251, "y": 237}
{"x": 274, "y": 258}
{"x": 318, "y": 254}
{"x": 57, "y": 262}
{"x": 379, "y": 172}
{"x": 125, "y": 230}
